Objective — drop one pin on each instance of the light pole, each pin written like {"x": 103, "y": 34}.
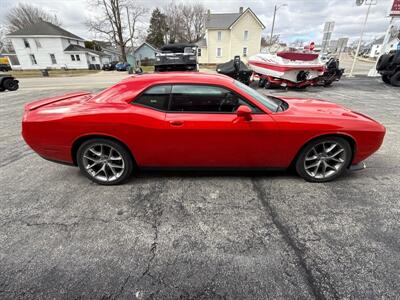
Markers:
{"x": 361, "y": 35}
{"x": 273, "y": 20}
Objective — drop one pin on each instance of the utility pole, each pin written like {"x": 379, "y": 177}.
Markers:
{"x": 273, "y": 20}
{"x": 361, "y": 37}
{"x": 273, "y": 25}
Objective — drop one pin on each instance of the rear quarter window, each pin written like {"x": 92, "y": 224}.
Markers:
{"x": 156, "y": 97}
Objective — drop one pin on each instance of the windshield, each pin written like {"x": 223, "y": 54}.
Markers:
{"x": 271, "y": 103}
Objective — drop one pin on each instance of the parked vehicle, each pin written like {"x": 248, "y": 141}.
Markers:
{"x": 236, "y": 69}
{"x": 122, "y": 66}
{"x": 285, "y": 68}
{"x": 8, "y": 82}
{"x": 332, "y": 72}
{"x": 388, "y": 66}
{"x": 176, "y": 57}
{"x": 5, "y": 67}
{"x": 110, "y": 66}
{"x": 200, "y": 120}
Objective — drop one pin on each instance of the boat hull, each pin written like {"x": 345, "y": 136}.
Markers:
{"x": 270, "y": 66}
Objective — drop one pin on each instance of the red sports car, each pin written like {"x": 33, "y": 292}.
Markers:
{"x": 181, "y": 120}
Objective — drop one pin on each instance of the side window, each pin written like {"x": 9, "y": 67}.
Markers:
{"x": 205, "y": 98}
{"x": 155, "y": 97}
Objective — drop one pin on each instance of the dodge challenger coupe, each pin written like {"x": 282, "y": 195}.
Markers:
{"x": 196, "y": 120}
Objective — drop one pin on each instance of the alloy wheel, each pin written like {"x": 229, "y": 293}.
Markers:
{"x": 324, "y": 160}
{"x": 103, "y": 162}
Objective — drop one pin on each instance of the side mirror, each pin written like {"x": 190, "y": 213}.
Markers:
{"x": 244, "y": 112}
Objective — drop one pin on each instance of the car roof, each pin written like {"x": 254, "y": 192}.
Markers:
{"x": 180, "y": 77}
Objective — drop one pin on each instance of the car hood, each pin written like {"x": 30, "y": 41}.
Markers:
{"x": 319, "y": 108}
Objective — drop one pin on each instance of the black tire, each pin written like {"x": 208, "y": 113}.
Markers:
{"x": 122, "y": 150}
{"x": 395, "y": 79}
{"x": 328, "y": 83}
{"x": 268, "y": 84}
{"x": 2, "y": 89}
{"x": 300, "y": 162}
{"x": 10, "y": 84}
{"x": 386, "y": 79}
{"x": 384, "y": 61}
{"x": 261, "y": 82}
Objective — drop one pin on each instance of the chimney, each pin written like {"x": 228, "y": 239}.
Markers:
{"x": 241, "y": 9}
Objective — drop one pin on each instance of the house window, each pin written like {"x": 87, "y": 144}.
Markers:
{"x": 69, "y": 41}
{"x": 198, "y": 51}
{"x": 53, "y": 59}
{"x": 244, "y": 51}
{"x": 77, "y": 57}
{"x": 219, "y": 52}
{"x": 219, "y": 36}
{"x": 33, "y": 59}
{"x": 73, "y": 57}
{"x": 246, "y": 35}
{"x": 26, "y": 43}
{"x": 93, "y": 58}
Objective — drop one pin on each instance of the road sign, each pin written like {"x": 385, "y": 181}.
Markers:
{"x": 395, "y": 11}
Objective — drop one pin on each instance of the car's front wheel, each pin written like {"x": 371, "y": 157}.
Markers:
{"x": 324, "y": 159}
{"x": 104, "y": 161}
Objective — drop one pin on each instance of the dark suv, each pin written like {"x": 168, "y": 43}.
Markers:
{"x": 176, "y": 57}
{"x": 389, "y": 67}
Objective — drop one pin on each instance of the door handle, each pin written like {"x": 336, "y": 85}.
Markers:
{"x": 176, "y": 123}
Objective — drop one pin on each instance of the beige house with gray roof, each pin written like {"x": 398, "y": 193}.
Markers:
{"x": 230, "y": 34}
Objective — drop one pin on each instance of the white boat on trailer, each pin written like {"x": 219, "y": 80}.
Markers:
{"x": 285, "y": 68}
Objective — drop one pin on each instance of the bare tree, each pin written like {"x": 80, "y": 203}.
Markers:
{"x": 185, "y": 22}
{"x": 25, "y": 14}
{"x": 174, "y": 22}
{"x": 117, "y": 22}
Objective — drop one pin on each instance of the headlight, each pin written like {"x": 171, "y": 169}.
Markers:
{"x": 158, "y": 59}
{"x": 192, "y": 57}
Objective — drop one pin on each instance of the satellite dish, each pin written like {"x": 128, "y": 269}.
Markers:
{"x": 359, "y": 2}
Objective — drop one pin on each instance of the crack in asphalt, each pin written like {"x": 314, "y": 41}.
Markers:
{"x": 156, "y": 213}
{"x": 313, "y": 284}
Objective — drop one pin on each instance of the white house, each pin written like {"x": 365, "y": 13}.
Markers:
{"x": 230, "y": 34}
{"x": 44, "y": 45}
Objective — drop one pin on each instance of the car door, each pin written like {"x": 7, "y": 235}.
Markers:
{"x": 204, "y": 130}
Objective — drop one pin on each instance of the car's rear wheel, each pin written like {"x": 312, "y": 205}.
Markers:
{"x": 104, "y": 161}
{"x": 324, "y": 159}
{"x": 395, "y": 79}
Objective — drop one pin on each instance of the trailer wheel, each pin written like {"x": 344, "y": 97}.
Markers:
{"x": 395, "y": 79}
{"x": 268, "y": 84}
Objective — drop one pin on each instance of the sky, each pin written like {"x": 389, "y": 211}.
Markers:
{"x": 300, "y": 19}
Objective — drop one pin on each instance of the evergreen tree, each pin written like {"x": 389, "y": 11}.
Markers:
{"x": 157, "y": 29}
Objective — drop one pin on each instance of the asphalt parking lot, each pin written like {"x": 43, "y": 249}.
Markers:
{"x": 200, "y": 235}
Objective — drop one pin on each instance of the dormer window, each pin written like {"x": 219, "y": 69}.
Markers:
{"x": 26, "y": 43}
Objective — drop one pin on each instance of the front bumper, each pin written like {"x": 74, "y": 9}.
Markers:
{"x": 358, "y": 167}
